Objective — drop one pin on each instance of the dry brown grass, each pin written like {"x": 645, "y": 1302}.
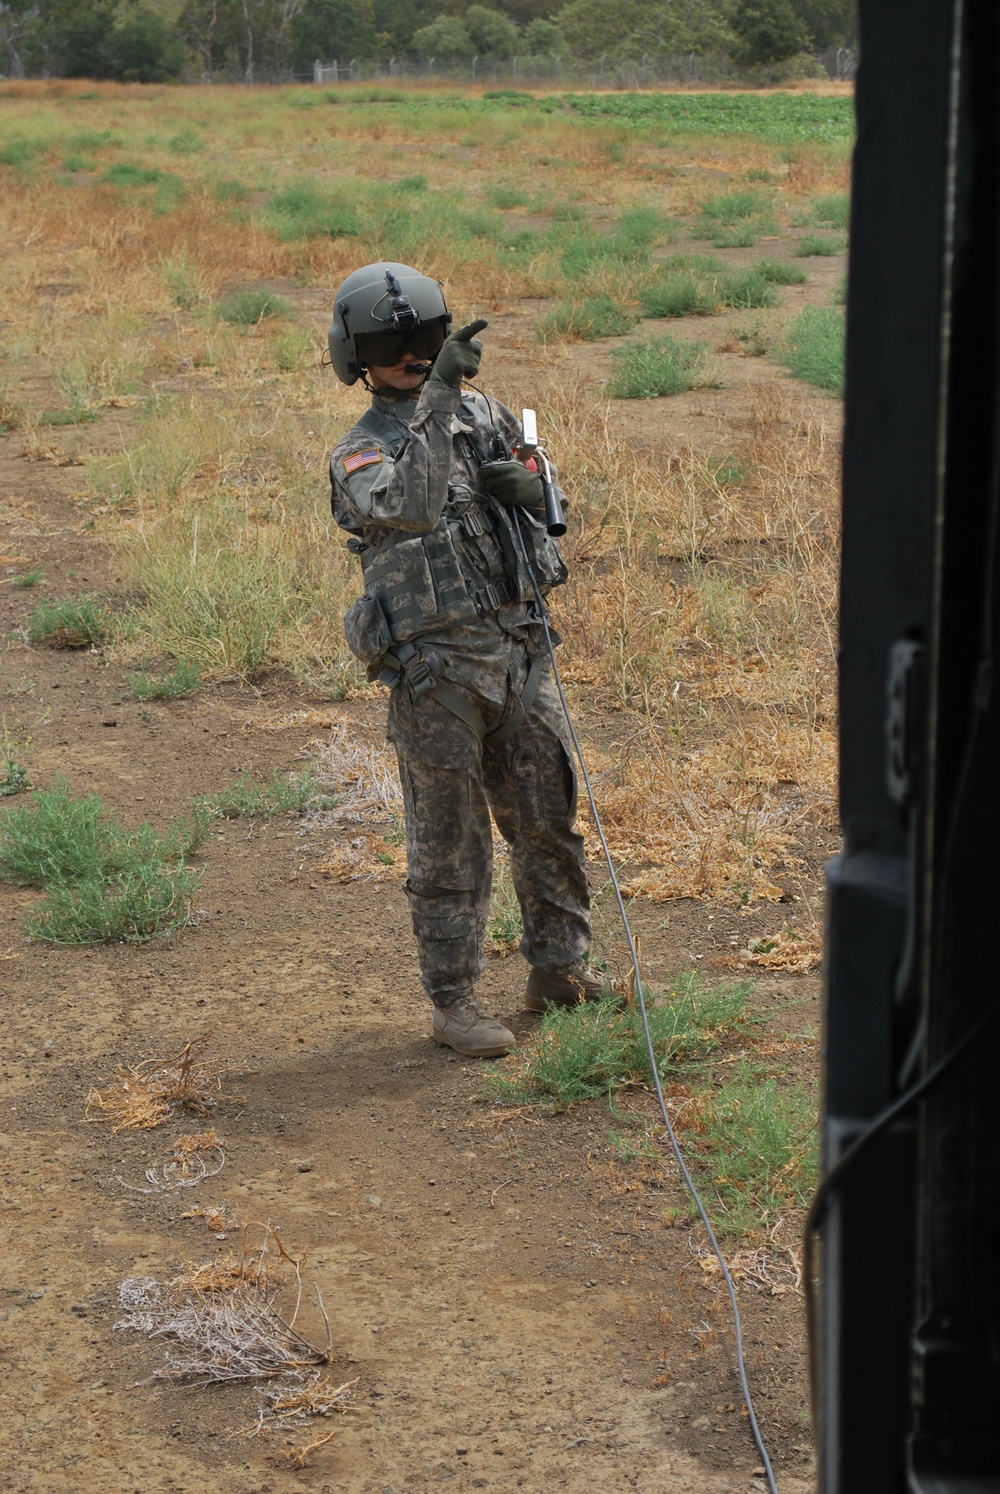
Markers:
{"x": 700, "y": 617}
{"x": 145, "y": 1095}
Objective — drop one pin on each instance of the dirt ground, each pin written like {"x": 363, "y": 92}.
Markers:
{"x": 513, "y": 1307}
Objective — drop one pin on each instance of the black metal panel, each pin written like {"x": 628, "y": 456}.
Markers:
{"x": 910, "y": 1373}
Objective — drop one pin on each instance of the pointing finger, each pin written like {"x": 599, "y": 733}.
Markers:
{"x": 465, "y": 334}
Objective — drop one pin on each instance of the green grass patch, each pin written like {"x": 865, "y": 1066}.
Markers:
{"x": 780, "y": 272}
{"x": 247, "y": 799}
{"x": 747, "y": 290}
{"x": 304, "y": 211}
{"x": 246, "y": 308}
{"x": 162, "y": 190}
{"x": 69, "y": 415}
{"x": 813, "y": 245}
{"x": 586, "y": 1052}
{"x": 76, "y": 163}
{"x": 19, "y": 151}
{"x": 814, "y": 348}
{"x": 506, "y": 198}
{"x": 741, "y": 236}
{"x": 77, "y": 622}
{"x": 228, "y": 189}
{"x": 179, "y": 683}
{"x": 684, "y": 293}
{"x": 588, "y": 320}
{"x": 729, "y": 208}
{"x": 292, "y": 349}
{"x": 186, "y": 143}
{"x": 103, "y": 884}
{"x": 27, "y": 579}
{"x": 833, "y": 211}
{"x": 658, "y": 366}
{"x": 753, "y": 1143}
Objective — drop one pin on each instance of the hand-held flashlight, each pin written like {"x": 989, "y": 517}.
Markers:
{"x": 554, "y": 521}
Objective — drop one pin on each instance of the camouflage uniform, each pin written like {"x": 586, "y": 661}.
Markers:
{"x": 406, "y": 486}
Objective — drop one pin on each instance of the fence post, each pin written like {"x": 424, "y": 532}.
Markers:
{"x": 317, "y": 71}
{"x": 513, "y": 69}
{"x": 474, "y": 61}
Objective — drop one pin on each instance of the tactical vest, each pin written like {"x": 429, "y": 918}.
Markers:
{"x": 468, "y": 568}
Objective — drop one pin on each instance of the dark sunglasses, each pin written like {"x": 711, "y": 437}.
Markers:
{"x": 386, "y": 349}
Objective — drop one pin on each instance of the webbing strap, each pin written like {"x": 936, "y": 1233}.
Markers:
{"x": 455, "y": 702}
{"x": 520, "y": 711}
{"x": 376, "y": 424}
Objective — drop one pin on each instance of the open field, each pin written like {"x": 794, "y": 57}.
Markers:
{"x": 527, "y": 1284}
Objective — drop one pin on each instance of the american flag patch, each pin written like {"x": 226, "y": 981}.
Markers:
{"x": 362, "y": 459}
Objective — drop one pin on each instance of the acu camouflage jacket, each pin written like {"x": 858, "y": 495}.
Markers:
{"x": 439, "y": 558}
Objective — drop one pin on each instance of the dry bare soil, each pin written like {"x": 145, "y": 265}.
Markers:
{"x": 518, "y": 1308}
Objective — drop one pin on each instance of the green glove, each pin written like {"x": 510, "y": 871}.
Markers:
{"x": 512, "y": 484}
{"x": 459, "y": 357}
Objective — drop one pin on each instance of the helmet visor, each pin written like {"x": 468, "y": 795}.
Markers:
{"x": 386, "y": 349}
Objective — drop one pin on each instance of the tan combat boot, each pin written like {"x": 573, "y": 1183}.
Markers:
{"x": 564, "y": 985}
{"x": 470, "y": 1030}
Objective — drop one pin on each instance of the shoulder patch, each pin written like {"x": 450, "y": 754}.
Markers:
{"x": 368, "y": 458}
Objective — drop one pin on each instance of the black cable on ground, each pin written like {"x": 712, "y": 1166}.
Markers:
{"x": 633, "y": 956}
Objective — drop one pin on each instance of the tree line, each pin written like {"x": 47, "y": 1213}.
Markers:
{"x": 273, "y": 40}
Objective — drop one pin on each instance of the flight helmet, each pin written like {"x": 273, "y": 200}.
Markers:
{"x": 383, "y": 312}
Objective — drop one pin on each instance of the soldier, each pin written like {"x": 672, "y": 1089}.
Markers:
{"x": 446, "y": 522}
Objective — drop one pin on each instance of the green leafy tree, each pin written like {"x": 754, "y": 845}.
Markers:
{"x": 830, "y": 23}
{"x": 595, "y": 28}
{"x": 543, "y": 39}
{"x": 523, "y": 12}
{"x": 84, "y": 42}
{"x": 332, "y": 28}
{"x": 492, "y": 34}
{"x": 19, "y": 22}
{"x": 767, "y": 32}
{"x": 144, "y": 49}
{"x": 395, "y": 22}
{"x": 446, "y": 38}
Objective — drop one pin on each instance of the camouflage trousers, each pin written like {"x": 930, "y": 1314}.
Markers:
{"x": 450, "y": 784}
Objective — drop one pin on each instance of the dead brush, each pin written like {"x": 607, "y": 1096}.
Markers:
{"x": 195, "y": 1157}
{"x": 143, "y": 1096}
{"x": 215, "y": 1217}
{"x": 226, "y": 1321}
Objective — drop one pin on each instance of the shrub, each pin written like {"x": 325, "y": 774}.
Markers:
{"x": 814, "y": 348}
{"x": 587, "y": 1051}
{"x": 74, "y": 623}
{"x": 657, "y": 366}
{"x": 747, "y": 290}
{"x": 835, "y": 211}
{"x": 27, "y": 579}
{"x": 181, "y": 682}
{"x": 588, "y": 321}
{"x": 246, "y": 308}
{"x": 812, "y": 244}
{"x": 303, "y": 211}
{"x": 780, "y": 272}
{"x": 102, "y": 883}
{"x": 754, "y": 1143}
{"x": 245, "y": 798}
{"x": 681, "y": 294}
